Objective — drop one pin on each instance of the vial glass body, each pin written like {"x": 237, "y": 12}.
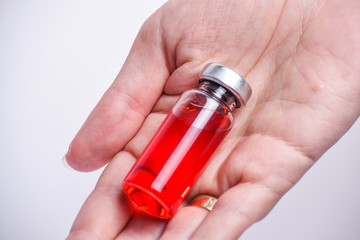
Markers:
{"x": 178, "y": 152}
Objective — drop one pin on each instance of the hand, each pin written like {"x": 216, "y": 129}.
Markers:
{"x": 302, "y": 60}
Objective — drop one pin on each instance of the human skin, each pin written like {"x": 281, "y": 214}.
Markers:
{"x": 302, "y": 61}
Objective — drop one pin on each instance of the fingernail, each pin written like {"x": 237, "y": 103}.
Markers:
{"x": 64, "y": 161}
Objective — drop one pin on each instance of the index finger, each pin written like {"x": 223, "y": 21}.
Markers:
{"x": 124, "y": 106}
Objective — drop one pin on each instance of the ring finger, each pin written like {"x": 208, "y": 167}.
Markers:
{"x": 187, "y": 219}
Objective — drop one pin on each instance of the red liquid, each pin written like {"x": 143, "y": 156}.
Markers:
{"x": 174, "y": 159}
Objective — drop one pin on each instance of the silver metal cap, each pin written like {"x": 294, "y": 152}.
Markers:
{"x": 228, "y": 79}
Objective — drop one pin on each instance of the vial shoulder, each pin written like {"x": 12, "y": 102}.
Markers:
{"x": 201, "y": 110}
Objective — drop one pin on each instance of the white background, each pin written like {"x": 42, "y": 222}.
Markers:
{"x": 56, "y": 60}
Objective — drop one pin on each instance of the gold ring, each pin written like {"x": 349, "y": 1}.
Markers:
{"x": 204, "y": 201}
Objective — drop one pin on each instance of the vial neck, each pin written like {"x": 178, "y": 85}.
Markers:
{"x": 219, "y": 92}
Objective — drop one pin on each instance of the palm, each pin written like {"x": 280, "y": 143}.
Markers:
{"x": 302, "y": 75}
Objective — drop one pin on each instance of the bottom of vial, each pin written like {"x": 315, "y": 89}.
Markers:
{"x": 146, "y": 201}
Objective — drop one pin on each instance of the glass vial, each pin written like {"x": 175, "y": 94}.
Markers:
{"x": 179, "y": 151}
